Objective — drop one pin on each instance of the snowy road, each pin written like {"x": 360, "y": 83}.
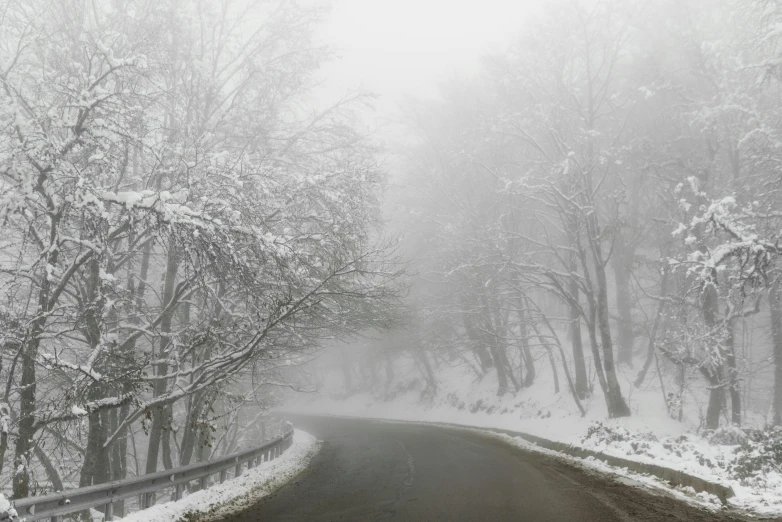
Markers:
{"x": 369, "y": 470}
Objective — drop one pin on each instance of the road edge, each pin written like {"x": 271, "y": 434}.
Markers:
{"x": 245, "y": 500}
{"x": 672, "y": 477}
{"x": 236, "y": 494}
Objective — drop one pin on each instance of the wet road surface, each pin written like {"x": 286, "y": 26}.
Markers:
{"x": 371, "y": 471}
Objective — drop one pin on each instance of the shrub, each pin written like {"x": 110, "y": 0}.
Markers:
{"x": 727, "y": 436}
{"x": 758, "y": 454}
{"x": 600, "y": 433}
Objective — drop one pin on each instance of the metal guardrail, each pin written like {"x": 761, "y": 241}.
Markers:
{"x": 54, "y": 505}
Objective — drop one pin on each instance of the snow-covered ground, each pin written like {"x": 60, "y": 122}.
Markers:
{"x": 650, "y": 435}
{"x": 232, "y": 496}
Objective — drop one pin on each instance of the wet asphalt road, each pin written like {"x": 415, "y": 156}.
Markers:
{"x": 372, "y": 471}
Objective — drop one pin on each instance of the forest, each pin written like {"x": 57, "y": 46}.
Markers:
{"x": 193, "y": 230}
{"x": 596, "y": 212}
{"x": 181, "y": 228}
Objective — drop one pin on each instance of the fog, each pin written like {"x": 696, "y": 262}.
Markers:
{"x": 584, "y": 201}
{"x": 560, "y": 219}
{"x": 588, "y": 207}
{"x": 405, "y": 49}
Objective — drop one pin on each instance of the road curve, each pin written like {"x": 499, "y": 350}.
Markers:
{"x": 371, "y": 471}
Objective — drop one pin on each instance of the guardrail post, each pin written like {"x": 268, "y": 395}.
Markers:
{"x": 204, "y": 482}
{"x": 180, "y": 488}
{"x": 223, "y": 476}
{"x": 55, "y": 518}
{"x": 250, "y": 464}
{"x": 108, "y": 514}
{"x": 238, "y": 470}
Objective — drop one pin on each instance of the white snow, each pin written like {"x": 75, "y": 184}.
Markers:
{"x": 221, "y": 500}
{"x": 6, "y": 509}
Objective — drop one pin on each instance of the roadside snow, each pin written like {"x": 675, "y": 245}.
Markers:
{"x": 6, "y": 511}
{"x": 704, "y": 500}
{"x": 221, "y": 500}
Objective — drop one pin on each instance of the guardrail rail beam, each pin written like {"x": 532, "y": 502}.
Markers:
{"x": 145, "y": 487}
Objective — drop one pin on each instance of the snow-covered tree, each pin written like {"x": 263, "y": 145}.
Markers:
{"x": 173, "y": 216}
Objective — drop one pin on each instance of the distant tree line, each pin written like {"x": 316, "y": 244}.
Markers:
{"x": 607, "y": 193}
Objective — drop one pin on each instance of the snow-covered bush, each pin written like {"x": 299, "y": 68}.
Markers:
{"x": 618, "y": 439}
{"x": 7, "y": 511}
{"x": 758, "y": 455}
{"x": 601, "y": 436}
{"x": 598, "y": 433}
{"x": 727, "y": 436}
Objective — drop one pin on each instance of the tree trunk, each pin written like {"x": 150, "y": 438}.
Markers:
{"x": 525, "y": 354}
{"x": 617, "y": 407}
{"x": 95, "y": 469}
{"x": 658, "y": 317}
{"x": 347, "y": 373}
{"x": 24, "y": 444}
{"x": 431, "y": 381}
{"x": 553, "y": 369}
{"x": 733, "y": 376}
{"x": 622, "y": 265}
{"x": 51, "y": 471}
{"x": 202, "y": 447}
{"x": 596, "y": 357}
{"x": 389, "y": 372}
{"x": 160, "y": 415}
{"x": 103, "y": 470}
{"x": 497, "y": 342}
{"x": 119, "y": 454}
{"x": 165, "y": 442}
{"x": 502, "y": 381}
{"x": 775, "y": 307}
{"x": 715, "y": 376}
{"x": 27, "y": 405}
{"x": 716, "y": 401}
{"x": 570, "y": 383}
{"x": 579, "y": 363}
{"x": 476, "y": 343}
{"x": 190, "y": 429}
{"x": 95, "y": 466}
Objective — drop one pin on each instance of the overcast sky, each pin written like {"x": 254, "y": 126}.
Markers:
{"x": 404, "y": 47}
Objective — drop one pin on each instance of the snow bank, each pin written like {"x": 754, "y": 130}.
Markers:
{"x": 6, "y": 511}
{"x": 232, "y": 496}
